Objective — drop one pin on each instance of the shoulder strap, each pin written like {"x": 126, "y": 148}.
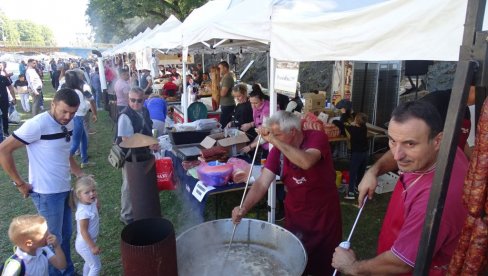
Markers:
{"x": 13, "y": 266}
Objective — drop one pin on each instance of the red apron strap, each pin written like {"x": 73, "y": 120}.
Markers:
{"x": 392, "y": 224}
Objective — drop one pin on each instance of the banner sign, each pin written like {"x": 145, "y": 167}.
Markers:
{"x": 172, "y": 59}
{"x": 342, "y": 81}
{"x": 286, "y": 77}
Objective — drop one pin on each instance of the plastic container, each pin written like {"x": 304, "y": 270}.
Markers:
{"x": 215, "y": 173}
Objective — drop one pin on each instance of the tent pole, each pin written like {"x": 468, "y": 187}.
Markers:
{"x": 473, "y": 51}
{"x": 363, "y": 96}
{"x": 203, "y": 62}
{"x": 272, "y": 110}
{"x": 184, "y": 97}
{"x": 268, "y": 67}
{"x": 342, "y": 78}
{"x": 101, "y": 73}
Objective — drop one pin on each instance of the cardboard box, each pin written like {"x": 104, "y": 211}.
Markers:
{"x": 386, "y": 183}
{"x": 314, "y": 101}
{"x": 234, "y": 143}
{"x": 315, "y": 111}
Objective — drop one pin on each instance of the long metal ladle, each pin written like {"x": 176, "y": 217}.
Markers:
{"x": 347, "y": 244}
{"x": 243, "y": 196}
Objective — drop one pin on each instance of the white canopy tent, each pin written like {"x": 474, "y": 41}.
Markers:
{"x": 111, "y": 51}
{"x": 126, "y": 47}
{"x": 140, "y": 39}
{"x": 166, "y": 36}
{"x": 388, "y": 30}
{"x": 195, "y": 24}
{"x": 229, "y": 27}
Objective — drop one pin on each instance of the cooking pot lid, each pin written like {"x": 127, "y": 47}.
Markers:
{"x": 138, "y": 140}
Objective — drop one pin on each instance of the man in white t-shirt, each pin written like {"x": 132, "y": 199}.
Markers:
{"x": 47, "y": 138}
{"x": 35, "y": 84}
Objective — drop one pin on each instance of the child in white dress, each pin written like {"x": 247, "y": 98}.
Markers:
{"x": 87, "y": 225}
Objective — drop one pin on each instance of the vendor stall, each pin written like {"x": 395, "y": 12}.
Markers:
{"x": 196, "y": 193}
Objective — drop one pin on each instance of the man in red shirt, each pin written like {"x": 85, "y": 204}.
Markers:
{"x": 304, "y": 162}
{"x": 109, "y": 73}
{"x": 415, "y": 134}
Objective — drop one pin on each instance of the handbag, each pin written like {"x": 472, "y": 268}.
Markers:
{"x": 14, "y": 117}
{"x": 117, "y": 156}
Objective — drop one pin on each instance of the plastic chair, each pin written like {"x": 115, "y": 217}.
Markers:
{"x": 197, "y": 111}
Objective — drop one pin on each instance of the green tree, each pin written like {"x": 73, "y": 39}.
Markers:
{"x": 116, "y": 20}
{"x": 48, "y": 35}
{"x": 29, "y": 32}
{"x": 8, "y": 29}
{"x": 41, "y": 35}
{"x": 25, "y": 30}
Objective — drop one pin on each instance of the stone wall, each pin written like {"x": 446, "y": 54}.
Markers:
{"x": 441, "y": 75}
{"x": 318, "y": 75}
{"x": 312, "y": 75}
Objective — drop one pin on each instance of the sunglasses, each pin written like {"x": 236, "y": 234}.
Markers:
{"x": 132, "y": 100}
{"x": 67, "y": 136}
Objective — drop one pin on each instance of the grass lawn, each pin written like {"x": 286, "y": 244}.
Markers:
{"x": 109, "y": 181}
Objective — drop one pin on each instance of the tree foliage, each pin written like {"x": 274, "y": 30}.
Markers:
{"x": 116, "y": 20}
{"x": 25, "y": 30}
{"x": 9, "y": 30}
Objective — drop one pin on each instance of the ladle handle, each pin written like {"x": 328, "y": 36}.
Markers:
{"x": 250, "y": 171}
{"x": 244, "y": 194}
{"x": 347, "y": 244}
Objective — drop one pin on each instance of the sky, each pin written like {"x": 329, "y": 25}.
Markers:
{"x": 66, "y": 18}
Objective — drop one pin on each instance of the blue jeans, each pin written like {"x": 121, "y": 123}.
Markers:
{"x": 97, "y": 95}
{"x": 41, "y": 101}
{"x": 357, "y": 167}
{"x": 79, "y": 137}
{"x": 55, "y": 208}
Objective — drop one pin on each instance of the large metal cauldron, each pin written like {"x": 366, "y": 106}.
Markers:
{"x": 259, "y": 248}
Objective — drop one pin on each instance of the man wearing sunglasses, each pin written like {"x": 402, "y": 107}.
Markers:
{"x": 133, "y": 119}
{"x": 47, "y": 137}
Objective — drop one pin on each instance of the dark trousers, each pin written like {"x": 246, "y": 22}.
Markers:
{"x": 226, "y": 114}
{"x": 4, "y": 107}
{"x": 357, "y": 167}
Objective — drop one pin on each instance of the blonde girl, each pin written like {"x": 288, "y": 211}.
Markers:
{"x": 87, "y": 225}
